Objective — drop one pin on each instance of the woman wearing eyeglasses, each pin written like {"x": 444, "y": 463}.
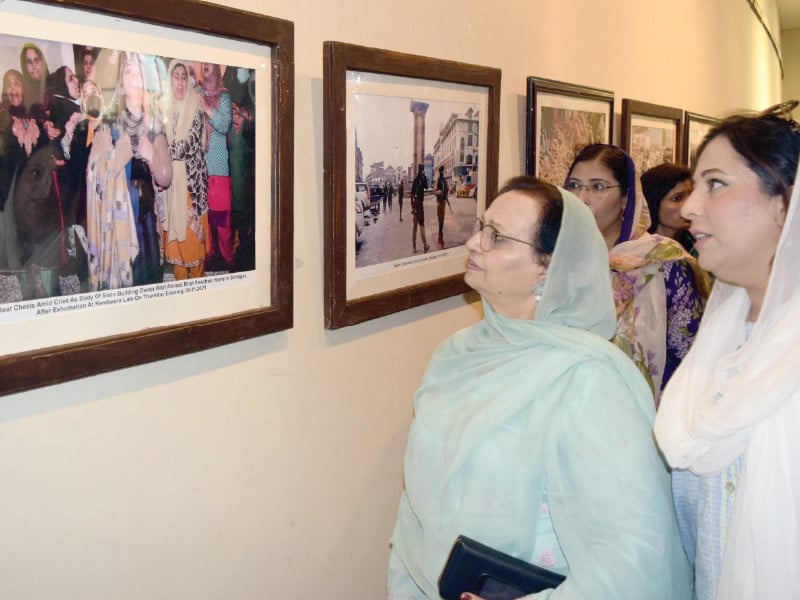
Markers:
{"x": 532, "y": 432}
{"x": 658, "y": 295}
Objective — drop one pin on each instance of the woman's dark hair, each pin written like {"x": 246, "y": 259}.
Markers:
{"x": 769, "y": 142}
{"x": 57, "y": 83}
{"x": 657, "y": 182}
{"x": 546, "y": 234}
{"x": 614, "y": 159}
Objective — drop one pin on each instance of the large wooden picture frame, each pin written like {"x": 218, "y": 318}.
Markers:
{"x": 652, "y": 134}
{"x": 562, "y": 118}
{"x": 57, "y": 336}
{"x": 386, "y": 115}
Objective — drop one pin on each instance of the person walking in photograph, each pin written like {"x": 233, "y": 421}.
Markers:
{"x": 400, "y": 192}
{"x": 441, "y": 200}
{"x": 418, "y": 187}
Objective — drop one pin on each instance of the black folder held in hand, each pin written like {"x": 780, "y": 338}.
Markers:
{"x": 491, "y": 574}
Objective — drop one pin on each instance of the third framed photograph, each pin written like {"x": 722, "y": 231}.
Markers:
{"x": 652, "y": 134}
{"x": 695, "y": 128}
{"x": 411, "y": 147}
{"x": 562, "y": 118}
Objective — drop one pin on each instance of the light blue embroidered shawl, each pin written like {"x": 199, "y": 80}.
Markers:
{"x": 512, "y": 413}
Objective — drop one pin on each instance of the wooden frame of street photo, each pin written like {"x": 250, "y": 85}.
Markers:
{"x": 562, "y": 118}
{"x": 99, "y": 328}
{"x": 376, "y": 104}
{"x": 651, "y": 133}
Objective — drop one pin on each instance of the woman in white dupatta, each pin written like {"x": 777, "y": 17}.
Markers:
{"x": 730, "y": 416}
{"x": 186, "y": 235}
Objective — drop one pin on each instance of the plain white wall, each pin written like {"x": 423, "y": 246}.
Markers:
{"x": 790, "y": 51}
{"x": 273, "y": 467}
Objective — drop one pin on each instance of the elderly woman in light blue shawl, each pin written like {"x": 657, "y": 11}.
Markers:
{"x": 532, "y": 433}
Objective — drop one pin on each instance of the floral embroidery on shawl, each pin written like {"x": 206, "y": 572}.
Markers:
{"x": 656, "y": 317}
{"x": 640, "y": 271}
{"x": 685, "y": 305}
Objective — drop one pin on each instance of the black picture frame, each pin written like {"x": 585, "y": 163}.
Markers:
{"x": 638, "y": 114}
{"x": 562, "y": 118}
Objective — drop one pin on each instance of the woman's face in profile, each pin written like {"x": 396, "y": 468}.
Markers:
{"x": 737, "y": 225}
{"x": 73, "y": 86}
{"x": 12, "y": 89}
{"x": 607, "y": 205}
{"x": 180, "y": 79}
{"x": 504, "y": 275}
{"x": 208, "y": 71}
{"x": 669, "y": 211}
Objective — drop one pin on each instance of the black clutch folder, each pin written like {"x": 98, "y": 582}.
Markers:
{"x": 491, "y": 574}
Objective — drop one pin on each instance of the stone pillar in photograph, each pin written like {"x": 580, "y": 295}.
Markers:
{"x": 419, "y": 109}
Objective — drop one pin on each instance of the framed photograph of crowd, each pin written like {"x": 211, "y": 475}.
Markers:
{"x": 145, "y": 183}
{"x": 652, "y": 134}
{"x": 410, "y": 155}
{"x": 695, "y": 128}
{"x": 562, "y": 118}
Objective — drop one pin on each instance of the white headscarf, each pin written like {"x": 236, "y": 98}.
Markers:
{"x": 727, "y": 400}
{"x": 181, "y": 115}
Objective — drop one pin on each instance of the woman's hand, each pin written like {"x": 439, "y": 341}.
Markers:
{"x": 71, "y": 124}
{"x": 102, "y": 141}
{"x": 468, "y": 596}
{"x": 123, "y": 152}
{"x": 160, "y": 162}
{"x": 146, "y": 148}
{"x": 52, "y": 131}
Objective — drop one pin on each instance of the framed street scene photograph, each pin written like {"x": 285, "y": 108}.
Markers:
{"x": 410, "y": 159}
{"x": 562, "y": 118}
{"x": 145, "y": 183}
{"x": 652, "y": 134}
{"x": 695, "y": 128}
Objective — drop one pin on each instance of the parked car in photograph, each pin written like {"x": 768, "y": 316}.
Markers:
{"x": 359, "y": 222}
{"x": 362, "y": 194}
